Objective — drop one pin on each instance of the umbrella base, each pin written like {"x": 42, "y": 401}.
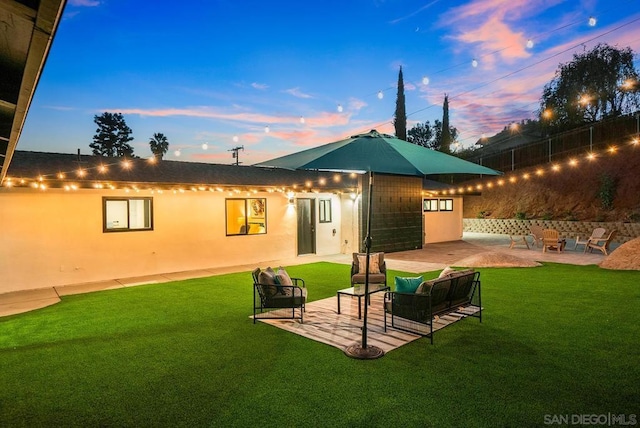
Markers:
{"x": 368, "y": 353}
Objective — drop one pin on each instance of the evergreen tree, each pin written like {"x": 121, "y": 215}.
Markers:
{"x": 400, "y": 120}
{"x": 159, "y": 145}
{"x": 446, "y": 137}
{"x": 112, "y": 136}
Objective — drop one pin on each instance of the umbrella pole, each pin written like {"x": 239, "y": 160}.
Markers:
{"x": 363, "y": 351}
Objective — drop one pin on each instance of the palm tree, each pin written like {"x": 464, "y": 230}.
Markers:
{"x": 159, "y": 145}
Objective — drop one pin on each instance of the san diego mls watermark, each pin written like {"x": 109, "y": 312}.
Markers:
{"x": 604, "y": 419}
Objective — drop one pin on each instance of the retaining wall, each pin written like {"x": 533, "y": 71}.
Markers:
{"x": 567, "y": 229}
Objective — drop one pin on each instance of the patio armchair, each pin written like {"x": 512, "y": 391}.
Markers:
{"x": 596, "y": 235}
{"x": 602, "y": 244}
{"x": 377, "y": 269}
{"x": 274, "y": 293}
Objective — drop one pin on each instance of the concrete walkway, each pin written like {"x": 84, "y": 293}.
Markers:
{"x": 430, "y": 258}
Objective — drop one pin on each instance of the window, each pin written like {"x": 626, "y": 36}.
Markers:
{"x": 127, "y": 214}
{"x": 429, "y": 205}
{"x": 246, "y": 216}
{"x": 325, "y": 210}
{"x": 446, "y": 204}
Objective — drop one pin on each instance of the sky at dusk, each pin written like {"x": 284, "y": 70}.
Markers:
{"x": 219, "y": 72}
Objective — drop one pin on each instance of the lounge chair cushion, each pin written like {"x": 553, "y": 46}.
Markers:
{"x": 283, "y": 278}
{"x": 374, "y": 263}
{"x": 267, "y": 279}
{"x": 407, "y": 285}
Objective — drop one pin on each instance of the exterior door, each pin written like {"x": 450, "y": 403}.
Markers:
{"x": 306, "y": 226}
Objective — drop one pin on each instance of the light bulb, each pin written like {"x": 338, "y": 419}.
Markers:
{"x": 425, "y": 80}
{"x": 205, "y": 146}
{"x": 301, "y": 119}
{"x": 529, "y": 44}
{"x": 592, "y": 21}
{"x": 380, "y": 95}
{"x": 266, "y": 129}
{"x": 235, "y": 138}
{"x": 177, "y": 153}
{"x": 339, "y": 108}
{"x": 474, "y": 63}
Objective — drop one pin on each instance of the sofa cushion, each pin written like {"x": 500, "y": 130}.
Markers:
{"x": 374, "y": 263}
{"x": 407, "y": 285}
{"x": 425, "y": 287}
{"x": 446, "y": 272}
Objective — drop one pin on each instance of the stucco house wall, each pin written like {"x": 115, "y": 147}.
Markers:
{"x": 444, "y": 226}
{"x": 55, "y": 237}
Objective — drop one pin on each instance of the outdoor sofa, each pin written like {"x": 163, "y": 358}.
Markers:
{"x": 448, "y": 294}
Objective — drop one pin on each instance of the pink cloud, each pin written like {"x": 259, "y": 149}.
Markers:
{"x": 495, "y": 36}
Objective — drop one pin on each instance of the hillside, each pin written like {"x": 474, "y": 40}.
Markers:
{"x": 570, "y": 193}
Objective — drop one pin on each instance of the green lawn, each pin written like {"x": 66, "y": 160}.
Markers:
{"x": 555, "y": 340}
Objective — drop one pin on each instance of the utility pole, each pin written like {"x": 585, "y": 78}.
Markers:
{"x": 235, "y": 154}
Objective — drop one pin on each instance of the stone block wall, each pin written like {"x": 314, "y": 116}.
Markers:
{"x": 567, "y": 229}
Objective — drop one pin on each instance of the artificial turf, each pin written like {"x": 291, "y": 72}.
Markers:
{"x": 555, "y": 341}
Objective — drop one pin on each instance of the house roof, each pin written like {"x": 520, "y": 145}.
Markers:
{"x": 58, "y": 170}
{"x": 73, "y": 171}
{"x": 24, "y": 47}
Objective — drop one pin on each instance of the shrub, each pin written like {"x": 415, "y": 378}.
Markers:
{"x": 521, "y": 215}
{"x": 607, "y": 191}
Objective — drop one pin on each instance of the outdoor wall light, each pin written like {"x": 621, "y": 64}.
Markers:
{"x": 291, "y": 200}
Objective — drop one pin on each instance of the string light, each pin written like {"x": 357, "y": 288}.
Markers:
{"x": 380, "y": 95}
{"x": 425, "y": 80}
{"x": 205, "y": 146}
{"x": 474, "y": 63}
{"x": 529, "y": 44}
{"x": 592, "y": 21}
{"x": 340, "y": 108}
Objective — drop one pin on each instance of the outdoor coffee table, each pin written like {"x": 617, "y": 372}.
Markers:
{"x": 359, "y": 293}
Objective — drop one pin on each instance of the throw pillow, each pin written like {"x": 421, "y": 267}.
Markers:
{"x": 374, "y": 264}
{"x": 446, "y": 272}
{"x": 268, "y": 283}
{"x": 283, "y": 278}
{"x": 407, "y": 285}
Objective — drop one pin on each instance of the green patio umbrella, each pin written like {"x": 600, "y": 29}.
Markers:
{"x": 374, "y": 152}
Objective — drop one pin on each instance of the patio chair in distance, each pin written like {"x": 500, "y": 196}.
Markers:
{"x": 536, "y": 234}
{"x": 602, "y": 244}
{"x": 551, "y": 240}
{"x": 596, "y": 235}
